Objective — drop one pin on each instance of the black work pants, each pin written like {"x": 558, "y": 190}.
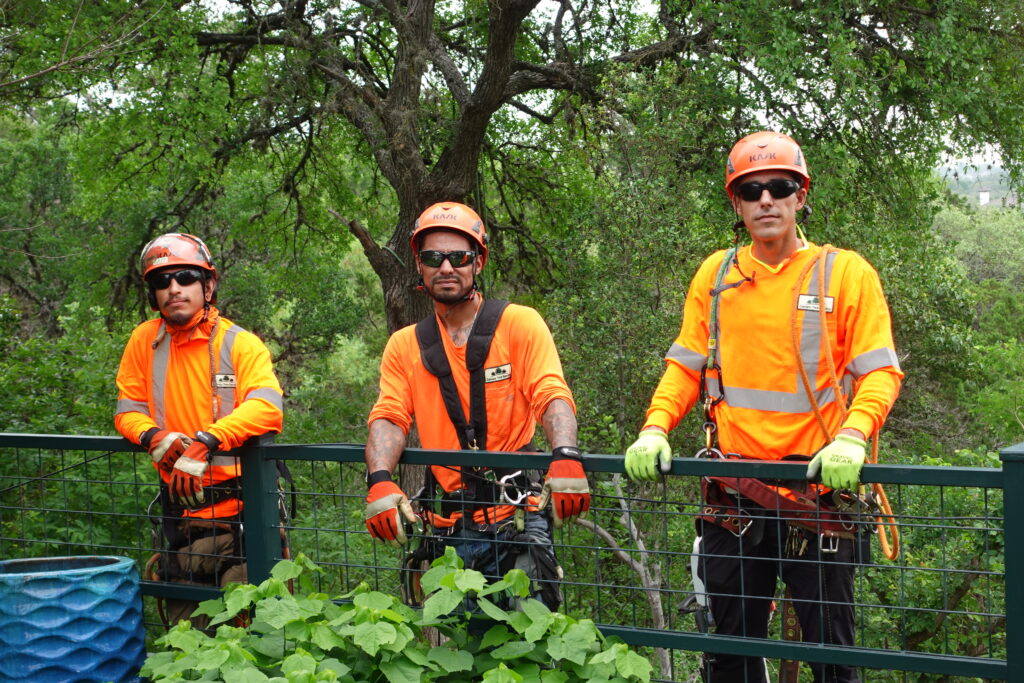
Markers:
{"x": 740, "y": 575}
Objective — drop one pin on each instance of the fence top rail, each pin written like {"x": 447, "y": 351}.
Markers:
{"x": 983, "y": 477}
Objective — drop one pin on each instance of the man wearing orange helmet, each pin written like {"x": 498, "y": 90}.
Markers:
{"x": 473, "y": 375}
{"x": 774, "y": 334}
{"x": 191, "y": 386}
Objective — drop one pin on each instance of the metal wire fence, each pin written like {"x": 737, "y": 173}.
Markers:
{"x": 940, "y": 610}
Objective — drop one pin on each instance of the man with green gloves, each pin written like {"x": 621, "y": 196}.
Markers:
{"x": 774, "y": 335}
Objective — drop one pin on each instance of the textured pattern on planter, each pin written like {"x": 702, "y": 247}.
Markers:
{"x": 70, "y": 619}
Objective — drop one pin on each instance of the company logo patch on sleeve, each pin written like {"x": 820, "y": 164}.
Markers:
{"x": 809, "y": 302}
{"x": 497, "y": 374}
{"x": 224, "y": 381}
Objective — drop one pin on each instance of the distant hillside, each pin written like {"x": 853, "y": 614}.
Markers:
{"x": 972, "y": 181}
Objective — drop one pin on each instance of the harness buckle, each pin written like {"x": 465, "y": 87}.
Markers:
{"x": 832, "y": 547}
{"x": 741, "y": 526}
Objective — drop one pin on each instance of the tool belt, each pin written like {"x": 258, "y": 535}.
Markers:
{"x": 810, "y": 507}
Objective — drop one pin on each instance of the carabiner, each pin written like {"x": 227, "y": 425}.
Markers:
{"x": 507, "y": 483}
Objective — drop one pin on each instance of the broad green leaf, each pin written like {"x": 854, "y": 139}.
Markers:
{"x": 529, "y": 671}
{"x": 542, "y": 619}
{"x": 416, "y": 656}
{"x": 452, "y": 660}
{"x": 298, "y": 662}
{"x": 492, "y": 610}
{"x": 518, "y": 582}
{"x": 185, "y": 639}
{"x": 502, "y": 674}
{"x": 561, "y": 648}
{"x": 285, "y": 570}
{"x": 512, "y": 650}
{"x": 441, "y": 604}
{"x": 519, "y": 621}
{"x": 211, "y": 658}
{"x": 373, "y": 600}
{"x": 470, "y": 580}
{"x": 272, "y": 588}
{"x": 496, "y": 635}
{"x": 325, "y": 637}
{"x": 270, "y": 645}
{"x": 247, "y": 675}
{"x": 240, "y": 597}
{"x": 449, "y": 560}
{"x": 553, "y": 676}
{"x": 369, "y": 636}
{"x": 331, "y": 664}
{"x": 209, "y": 608}
{"x": 279, "y": 612}
{"x": 430, "y": 581}
{"x": 630, "y": 664}
{"x": 606, "y": 656}
{"x": 401, "y": 670}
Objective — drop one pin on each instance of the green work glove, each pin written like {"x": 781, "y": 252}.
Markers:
{"x": 649, "y": 450}
{"x": 839, "y": 462}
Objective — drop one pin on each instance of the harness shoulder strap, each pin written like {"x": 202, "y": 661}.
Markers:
{"x": 472, "y": 433}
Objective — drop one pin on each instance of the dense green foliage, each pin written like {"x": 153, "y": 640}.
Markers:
{"x": 305, "y": 636}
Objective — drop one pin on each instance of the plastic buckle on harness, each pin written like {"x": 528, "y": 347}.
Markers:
{"x": 507, "y": 483}
{"x": 833, "y": 544}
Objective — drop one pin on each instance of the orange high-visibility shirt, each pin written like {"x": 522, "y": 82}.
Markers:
{"x": 525, "y": 376}
{"x": 165, "y": 381}
{"x": 766, "y": 412}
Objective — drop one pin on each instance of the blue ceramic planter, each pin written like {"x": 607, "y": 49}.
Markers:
{"x": 68, "y": 619}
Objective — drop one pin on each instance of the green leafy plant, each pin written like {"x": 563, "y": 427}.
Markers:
{"x": 305, "y": 636}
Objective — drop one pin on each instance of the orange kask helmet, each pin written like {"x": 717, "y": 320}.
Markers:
{"x": 451, "y": 216}
{"x": 765, "y": 151}
{"x": 177, "y": 249}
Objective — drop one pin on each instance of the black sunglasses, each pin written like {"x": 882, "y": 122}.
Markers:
{"x": 778, "y": 188}
{"x": 184, "y": 278}
{"x": 458, "y": 259}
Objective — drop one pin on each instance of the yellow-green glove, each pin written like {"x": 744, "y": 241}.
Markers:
{"x": 647, "y": 454}
{"x": 840, "y": 462}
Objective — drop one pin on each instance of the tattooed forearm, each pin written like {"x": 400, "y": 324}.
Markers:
{"x": 384, "y": 446}
{"x": 559, "y": 424}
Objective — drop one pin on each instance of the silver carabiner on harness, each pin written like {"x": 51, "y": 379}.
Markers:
{"x": 506, "y": 483}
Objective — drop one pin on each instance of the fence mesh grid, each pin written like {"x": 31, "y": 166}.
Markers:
{"x": 628, "y": 564}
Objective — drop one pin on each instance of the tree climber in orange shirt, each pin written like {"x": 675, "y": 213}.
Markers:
{"x": 191, "y": 385}
{"x": 773, "y": 372}
{"x": 474, "y": 375}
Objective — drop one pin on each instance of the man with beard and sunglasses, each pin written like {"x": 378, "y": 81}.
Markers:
{"x": 474, "y": 375}
{"x": 191, "y": 386}
{"x": 775, "y": 338}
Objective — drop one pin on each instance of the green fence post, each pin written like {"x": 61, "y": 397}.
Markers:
{"x": 260, "y": 515}
{"x": 1013, "y": 532}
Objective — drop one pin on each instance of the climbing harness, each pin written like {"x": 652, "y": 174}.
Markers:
{"x": 475, "y": 504}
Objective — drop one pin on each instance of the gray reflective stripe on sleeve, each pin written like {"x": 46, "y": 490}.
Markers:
{"x": 873, "y": 360}
{"x": 224, "y": 460}
{"x": 126, "y": 405}
{"x": 685, "y": 357}
{"x": 269, "y": 395}
{"x": 161, "y": 358}
{"x": 226, "y": 367}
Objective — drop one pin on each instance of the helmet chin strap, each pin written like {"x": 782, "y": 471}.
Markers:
{"x": 452, "y": 305}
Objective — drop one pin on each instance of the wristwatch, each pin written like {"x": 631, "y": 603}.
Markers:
{"x": 567, "y": 453}
{"x": 208, "y": 440}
